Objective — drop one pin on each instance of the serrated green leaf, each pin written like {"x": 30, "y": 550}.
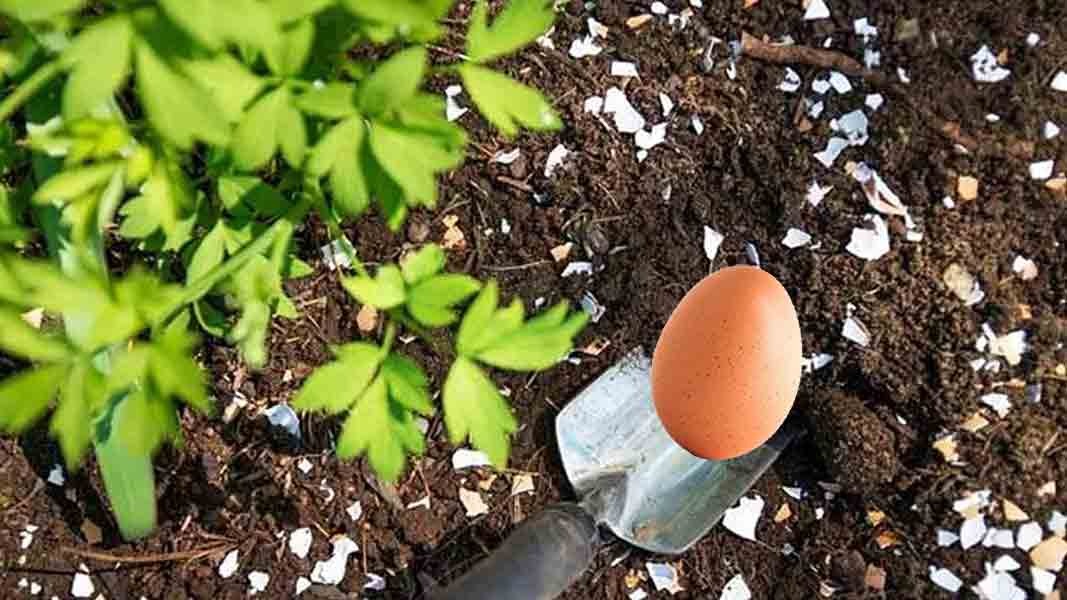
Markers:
{"x": 285, "y": 308}
{"x": 177, "y": 107}
{"x": 71, "y": 422}
{"x": 409, "y": 17}
{"x": 229, "y": 82}
{"x": 384, "y": 291}
{"x": 349, "y": 186}
{"x": 475, "y": 409}
{"x": 331, "y": 145}
{"x": 521, "y": 22}
{"x": 25, "y": 397}
{"x": 239, "y": 193}
{"x": 19, "y": 338}
{"x": 506, "y": 103}
{"x": 332, "y": 101}
{"x": 334, "y": 387}
{"x": 394, "y": 82}
{"x": 534, "y": 348}
{"x": 298, "y": 269}
{"x": 426, "y": 262}
{"x": 209, "y": 254}
{"x": 287, "y": 11}
{"x": 289, "y": 52}
{"x": 146, "y": 421}
{"x": 477, "y": 318}
{"x": 411, "y": 160}
{"x": 196, "y": 18}
{"x": 369, "y": 429}
{"x": 256, "y": 137}
{"x": 292, "y": 135}
{"x": 431, "y": 301}
{"x": 174, "y": 371}
{"x": 38, "y": 10}
{"x": 166, "y": 203}
{"x": 99, "y": 60}
{"x": 250, "y": 332}
{"x": 73, "y": 183}
{"x": 408, "y": 384}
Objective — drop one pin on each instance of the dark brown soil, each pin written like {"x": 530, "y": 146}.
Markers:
{"x": 874, "y": 412}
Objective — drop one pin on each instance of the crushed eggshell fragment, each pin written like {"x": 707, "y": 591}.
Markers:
{"x": 712, "y": 240}
{"x": 1041, "y": 170}
{"x": 948, "y": 448}
{"x": 945, "y": 579}
{"x": 972, "y": 532}
{"x": 664, "y": 577}
{"x": 472, "y": 502}
{"x": 620, "y": 68}
{"x": 1013, "y": 513}
{"x": 985, "y": 68}
{"x": 946, "y": 538}
{"x": 1049, "y": 554}
{"x": 332, "y": 570}
{"x": 875, "y": 578}
{"x": 967, "y": 187}
{"x": 795, "y": 238}
{"x": 855, "y": 331}
{"x": 82, "y": 585}
{"x": 870, "y": 243}
{"x": 555, "y": 158}
{"x": 736, "y": 589}
{"x": 741, "y": 520}
{"x": 465, "y": 458}
{"x": 355, "y": 510}
{"x": 1030, "y": 535}
{"x": 229, "y": 565}
{"x": 522, "y": 484}
{"x": 561, "y": 252}
{"x": 1025, "y": 268}
{"x": 816, "y": 9}
{"x": 300, "y": 542}
{"x": 975, "y": 423}
{"x": 783, "y": 514}
{"x": 257, "y": 582}
{"x": 1000, "y": 403}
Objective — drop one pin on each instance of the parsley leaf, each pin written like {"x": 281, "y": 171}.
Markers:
{"x": 521, "y": 22}
{"x": 475, "y": 409}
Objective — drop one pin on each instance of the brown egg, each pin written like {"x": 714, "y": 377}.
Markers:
{"x": 727, "y": 365}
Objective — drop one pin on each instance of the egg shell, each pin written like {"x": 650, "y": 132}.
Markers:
{"x": 727, "y": 366}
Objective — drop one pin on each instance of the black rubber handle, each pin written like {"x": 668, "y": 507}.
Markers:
{"x": 542, "y": 558}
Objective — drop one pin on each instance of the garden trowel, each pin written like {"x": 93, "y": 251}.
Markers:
{"x": 630, "y": 477}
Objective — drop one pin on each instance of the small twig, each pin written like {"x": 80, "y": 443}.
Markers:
{"x": 146, "y": 559}
{"x": 831, "y": 59}
{"x": 522, "y": 267}
{"x": 803, "y": 55}
{"x": 515, "y": 183}
{"x": 36, "y": 489}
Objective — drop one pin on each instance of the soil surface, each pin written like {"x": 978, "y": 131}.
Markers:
{"x": 873, "y": 413}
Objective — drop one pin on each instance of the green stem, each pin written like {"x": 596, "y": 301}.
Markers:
{"x": 199, "y": 288}
{"x": 390, "y": 336}
{"x": 421, "y": 332}
{"x": 333, "y": 225}
{"x": 28, "y": 88}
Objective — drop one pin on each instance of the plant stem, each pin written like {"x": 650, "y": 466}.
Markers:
{"x": 390, "y": 335}
{"x": 28, "y": 88}
{"x": 197, "y": 289}
{"x": 333, "y": 225}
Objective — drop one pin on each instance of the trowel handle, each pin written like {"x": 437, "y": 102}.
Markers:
{"x": 542, "y": 558}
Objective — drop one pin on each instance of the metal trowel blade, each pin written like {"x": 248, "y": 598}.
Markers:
{"x": 630, "y": 474}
